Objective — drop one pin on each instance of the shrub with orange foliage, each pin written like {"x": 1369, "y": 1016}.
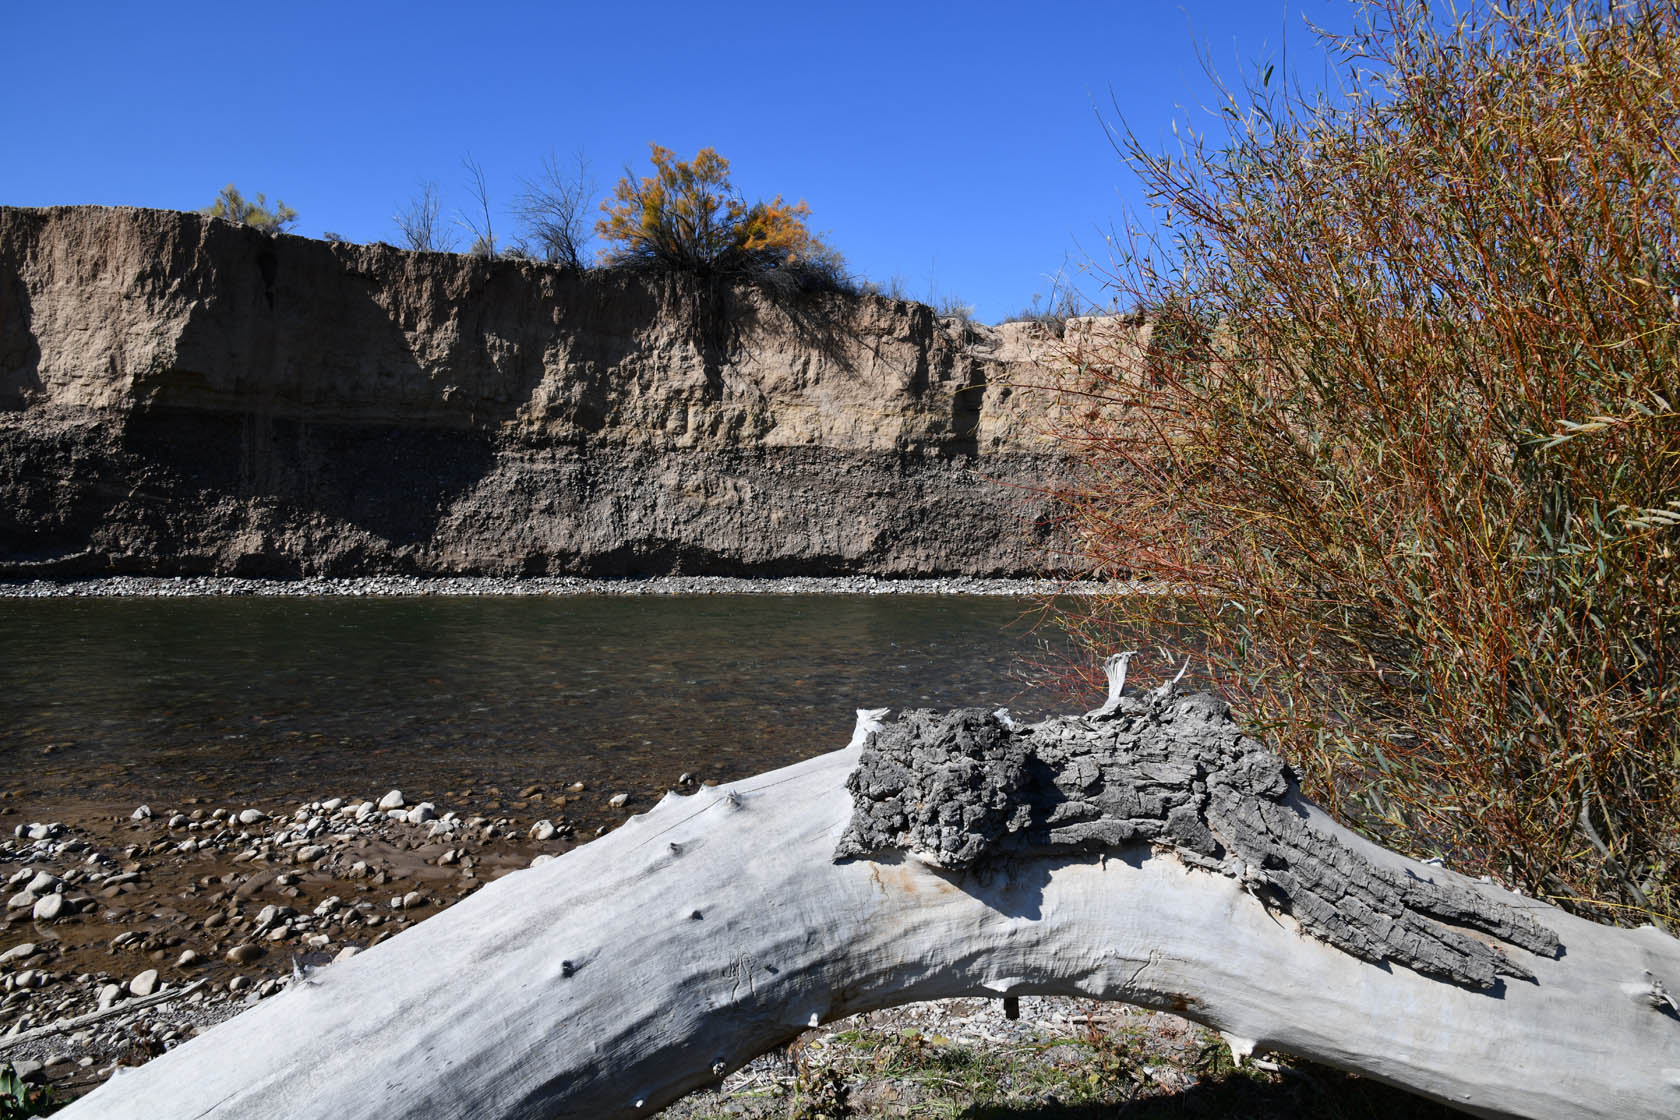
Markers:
{"x": 688, "y": 216}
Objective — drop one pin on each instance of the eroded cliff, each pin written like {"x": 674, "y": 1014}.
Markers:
{"x": 185, "y": 395}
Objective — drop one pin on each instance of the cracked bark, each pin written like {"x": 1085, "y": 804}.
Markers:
{"x": 1147, "y": 853}
{"x": 964, "y": 788}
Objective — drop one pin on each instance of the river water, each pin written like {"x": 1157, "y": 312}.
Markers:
{"x": 252, "y": 700}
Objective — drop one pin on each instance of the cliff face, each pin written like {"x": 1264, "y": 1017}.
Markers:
{"x": 184, "y": 395}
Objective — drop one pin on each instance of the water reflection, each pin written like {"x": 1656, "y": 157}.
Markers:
{"x": 261, "y": 698}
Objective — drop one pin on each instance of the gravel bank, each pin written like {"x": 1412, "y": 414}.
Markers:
{"x": 108, "y": 913}
{"x": 373, "y": 586}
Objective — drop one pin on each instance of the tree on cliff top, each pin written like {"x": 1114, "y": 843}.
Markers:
{"x": 234, "y": 207}
{"x": 688, "y": 216}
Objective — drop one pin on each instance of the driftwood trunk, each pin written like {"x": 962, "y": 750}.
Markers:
{"x": 1146, "y": 853}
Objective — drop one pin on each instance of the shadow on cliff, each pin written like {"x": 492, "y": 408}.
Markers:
{"x": 273, "y": 497}
{"x": 719, "y": 316}
{"x": 261, "y": 450}
{"x": 826, "y": 321}
{"x": 20, "y": 352}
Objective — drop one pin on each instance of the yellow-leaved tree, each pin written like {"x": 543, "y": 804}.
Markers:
{"x": 688, "y": 216}
{"x": 235, "y": 207}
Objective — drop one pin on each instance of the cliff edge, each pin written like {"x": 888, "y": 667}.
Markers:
{"x": 183, "y": 395}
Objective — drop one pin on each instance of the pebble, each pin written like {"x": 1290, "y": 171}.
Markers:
{"x": 541, "y": 858}
{"x": 346, "y": 953}
{"x": 251, "y": 816}
{"x": 187, "y": 959}
{"x": 309, "y": 853}
{"x": 542, "y": 830}
{"x": 144, "y": 984}
{"x": 41, "y": 883}
{"x": 19, "y": 900}
{"x": 17, "y": 952}
{"x": 144, "y": 813}
{"x": 49, "y": 907}
{"x": 619, "y": 800}
{"x": 244, "y": 954}
{"x": 422, "y": 813}
{"x": 392, "y": 800}
{"x": 108, "y": 995}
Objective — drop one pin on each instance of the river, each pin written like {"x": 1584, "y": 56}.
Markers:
{"x": 118, "y": 701}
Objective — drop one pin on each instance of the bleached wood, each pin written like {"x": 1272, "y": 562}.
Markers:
{"x": 612, "y": 980}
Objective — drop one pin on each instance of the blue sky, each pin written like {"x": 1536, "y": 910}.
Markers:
{"x": 955, "y": 147}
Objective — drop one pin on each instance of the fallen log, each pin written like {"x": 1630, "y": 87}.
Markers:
{"x": 1147, "y": 853}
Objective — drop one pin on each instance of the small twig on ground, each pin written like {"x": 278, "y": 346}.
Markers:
{"x": 64, "y": 1025}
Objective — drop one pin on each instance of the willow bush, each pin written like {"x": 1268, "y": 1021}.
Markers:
{"x": 1403, "y": 445}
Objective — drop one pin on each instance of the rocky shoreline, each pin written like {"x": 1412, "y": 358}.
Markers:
{"x": 377, "y": 586}
{"x": 108, "y": 913}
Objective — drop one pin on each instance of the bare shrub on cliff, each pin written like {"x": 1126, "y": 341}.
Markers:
{"x": 555, "y": 209}
{"x": 235, "y": 207}
{"x": 688, "y": 217}
{"x": 419, "y": 223}
{"x": 1405, "y": 435}
{"x": 477, "y": 223}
